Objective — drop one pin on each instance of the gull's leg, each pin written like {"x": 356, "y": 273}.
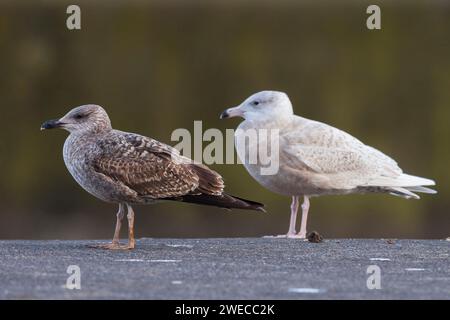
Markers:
{"x": 291, "y": 232}
{"x": 294, "y": 210}
{"x": 115, "y": 242}
{"x": 130, "y": 216}
{"x": 305, "y": 209}
{"x": 120, "y": 215}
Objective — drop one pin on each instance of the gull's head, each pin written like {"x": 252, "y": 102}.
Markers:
{"x": 264, "y": 105}
{"x": 89, "y": 118}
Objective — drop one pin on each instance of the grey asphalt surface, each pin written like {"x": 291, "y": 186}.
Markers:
{"x": 236, "y": 268}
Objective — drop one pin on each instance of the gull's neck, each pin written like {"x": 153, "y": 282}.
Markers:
{"x": 95, "y": 132}
{"x": 275, "y": 121}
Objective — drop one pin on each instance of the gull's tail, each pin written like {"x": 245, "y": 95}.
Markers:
{"x": 222, "y": 201}
{"x": 405, "y": 185}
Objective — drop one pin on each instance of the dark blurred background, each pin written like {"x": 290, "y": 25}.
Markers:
{"x": 159, "y": 65}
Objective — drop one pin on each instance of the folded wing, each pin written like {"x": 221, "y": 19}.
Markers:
{"x": 157, "y": 171}
{"x": 346, "y": 161}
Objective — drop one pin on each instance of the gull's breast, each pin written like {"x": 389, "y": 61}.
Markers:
{"x": 266, "y": 161}
{"x": 76, "y": 152}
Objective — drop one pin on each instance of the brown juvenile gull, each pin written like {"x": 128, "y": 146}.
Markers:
{"x": 316, "y": 159}
{"x": 127, "y": 168}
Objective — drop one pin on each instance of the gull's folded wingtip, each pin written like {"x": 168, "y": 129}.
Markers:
{"x": 262, "y": 209}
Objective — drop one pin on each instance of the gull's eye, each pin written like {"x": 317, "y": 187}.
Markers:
{"x": 79, "y": 116}
{"x": 255, "y": 103}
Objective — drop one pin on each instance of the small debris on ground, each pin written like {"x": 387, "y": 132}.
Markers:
{"x": 314, "y": 237}
{"x": 390, "y": 241}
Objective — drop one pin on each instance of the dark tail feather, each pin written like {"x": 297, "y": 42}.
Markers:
{"x": 222, "y": 201}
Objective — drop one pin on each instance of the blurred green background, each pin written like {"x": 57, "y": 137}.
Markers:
{"x": 159, "y": 65}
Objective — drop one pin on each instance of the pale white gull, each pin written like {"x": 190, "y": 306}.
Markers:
{"x": 315, "y": 158}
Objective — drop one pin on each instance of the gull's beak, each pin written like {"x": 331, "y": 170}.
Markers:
{"x": 51, "y": 124}
{"x": 232, "y": 112}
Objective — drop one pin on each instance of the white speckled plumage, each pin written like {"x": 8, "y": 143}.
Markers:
{"x": 317, "y": 159}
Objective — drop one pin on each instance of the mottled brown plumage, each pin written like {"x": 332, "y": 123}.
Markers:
{"x": 150, "y": 170}
{"x": 128, "y": 168}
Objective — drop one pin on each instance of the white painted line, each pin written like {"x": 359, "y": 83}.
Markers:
{"x": 142, "y": 260}
{"x": 414, "y": 269}
{"x": 180, "y": 245}
{"x": 380, "y": 259}
{"x": 305, "y": 290}
{"x": 130, "y": 260}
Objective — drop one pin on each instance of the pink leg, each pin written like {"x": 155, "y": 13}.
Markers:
{"x": 114, "y": 245}
{"x": 294, "y": 209}
{"x": 131, "y": 240}
{"x": 305, "y": 209}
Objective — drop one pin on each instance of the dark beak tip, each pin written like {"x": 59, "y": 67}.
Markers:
{"x": 50, "y": 124}
{"x": 224, "y": 115}
{"x": 45, "y": 126}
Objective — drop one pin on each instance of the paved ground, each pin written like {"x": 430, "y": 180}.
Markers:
{"x": 237, "y": 268}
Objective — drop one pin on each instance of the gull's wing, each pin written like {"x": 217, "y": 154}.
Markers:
{"x": 327, "y": 151}
{"x": 152, "y": 169}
